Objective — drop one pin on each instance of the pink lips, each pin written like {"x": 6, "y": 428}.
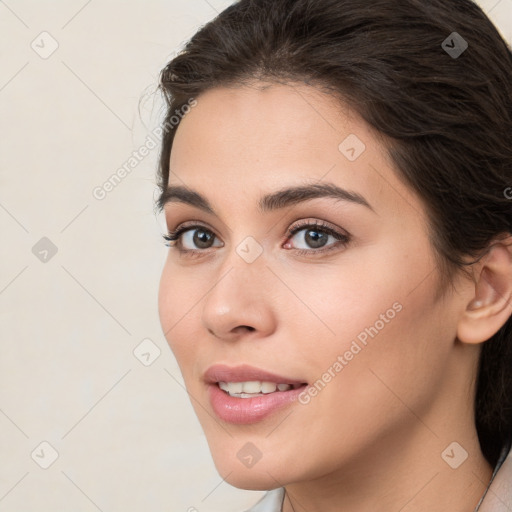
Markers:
{"x": 247, "y": 410}
{"x": 243, "y": 373}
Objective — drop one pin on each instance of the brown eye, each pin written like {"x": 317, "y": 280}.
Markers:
{"x": 307, "y": 238}
{"x": 191, "y": 238}
{"x": 315, "y": 238}
{"x": 197, "y": 238}
{"x": 202, "y": 239}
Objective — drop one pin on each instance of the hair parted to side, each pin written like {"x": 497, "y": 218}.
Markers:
{"x": 447, "y": 122}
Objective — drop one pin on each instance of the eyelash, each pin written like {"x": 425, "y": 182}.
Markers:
{"x": 172, "y": 239}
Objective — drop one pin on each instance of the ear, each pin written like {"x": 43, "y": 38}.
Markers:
{"x": 491, "y": 303}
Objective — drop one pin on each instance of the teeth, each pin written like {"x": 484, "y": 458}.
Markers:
{"x": 236, "y": 387}
{"x": 252, "y": 388}
{"x": 268, "y": 387}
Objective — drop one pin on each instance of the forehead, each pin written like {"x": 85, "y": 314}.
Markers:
{"x": 264, "y": 122}
{"x": 264, "y": 137}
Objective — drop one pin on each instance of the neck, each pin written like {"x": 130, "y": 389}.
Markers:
{"x": 401, "y": 473}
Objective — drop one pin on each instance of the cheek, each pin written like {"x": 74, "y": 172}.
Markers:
{"x": 376, "y": 328}
{"x": 386, "y": 364}
{"x": 360, "y": 399}
{"x": 177, "y": 296}
{"x": 352, "y": 298}
{"x": 167, "y": 300}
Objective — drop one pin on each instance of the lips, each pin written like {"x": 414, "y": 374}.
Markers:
{"x": 245, "y": 408}
{"x": 245, "y": 373}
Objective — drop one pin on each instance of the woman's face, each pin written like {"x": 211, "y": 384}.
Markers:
{"x": 349, "y": 304}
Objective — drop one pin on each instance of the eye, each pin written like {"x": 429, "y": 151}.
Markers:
{"x": 191, "y": 238}
{"x": 315, "y": 237}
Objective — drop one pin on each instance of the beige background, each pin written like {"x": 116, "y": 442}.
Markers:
{"x": 125, "y": 433}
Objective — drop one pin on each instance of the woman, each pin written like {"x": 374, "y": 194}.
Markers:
{"x": 335, "y": 177}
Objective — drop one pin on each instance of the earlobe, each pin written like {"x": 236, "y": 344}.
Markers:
{"x": 491, "y": 304}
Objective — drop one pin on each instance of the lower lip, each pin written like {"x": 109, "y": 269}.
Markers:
{"x": 249, "y": 410}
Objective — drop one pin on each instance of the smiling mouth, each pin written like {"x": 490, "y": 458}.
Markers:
{"x": 255, "y": 388}
{"x": 244, "y": 394}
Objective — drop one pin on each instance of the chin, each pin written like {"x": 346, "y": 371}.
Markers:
{"x": 263, "y": 474}
{"x": 250, "y": 480}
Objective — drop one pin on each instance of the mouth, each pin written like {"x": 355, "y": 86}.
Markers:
{"x": 245, "y": 394}
{"x": 254, "y": 388}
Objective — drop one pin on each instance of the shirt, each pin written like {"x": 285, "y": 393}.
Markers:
{"x": 496, "y": 498}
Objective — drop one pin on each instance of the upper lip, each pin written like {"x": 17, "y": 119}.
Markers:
{"x": 244, "y": 373}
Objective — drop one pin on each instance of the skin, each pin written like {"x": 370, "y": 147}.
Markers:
{"x": 372, "y": 439}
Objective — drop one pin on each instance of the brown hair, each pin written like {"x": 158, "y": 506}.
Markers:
{"x": 447, "y": 118}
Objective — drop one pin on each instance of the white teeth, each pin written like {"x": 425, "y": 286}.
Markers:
{"x": 268, "y": 387}
{"x": 231, "y": 387}
{"x": 252, "y": 388}
{"x": 236, "y": 387}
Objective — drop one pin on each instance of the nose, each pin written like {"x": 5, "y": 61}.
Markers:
{"x": 239, "y": 303}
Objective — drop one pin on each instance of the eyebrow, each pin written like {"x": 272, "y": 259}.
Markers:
{"x": 270, "y": 202}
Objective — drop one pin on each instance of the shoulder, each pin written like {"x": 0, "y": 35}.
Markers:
{"x": 498, "y": 497}
{"x": 272, "y": 501}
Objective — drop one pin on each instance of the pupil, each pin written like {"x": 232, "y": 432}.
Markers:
{"x": 202, "y": 239}
{"x": 317, "y": 240}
